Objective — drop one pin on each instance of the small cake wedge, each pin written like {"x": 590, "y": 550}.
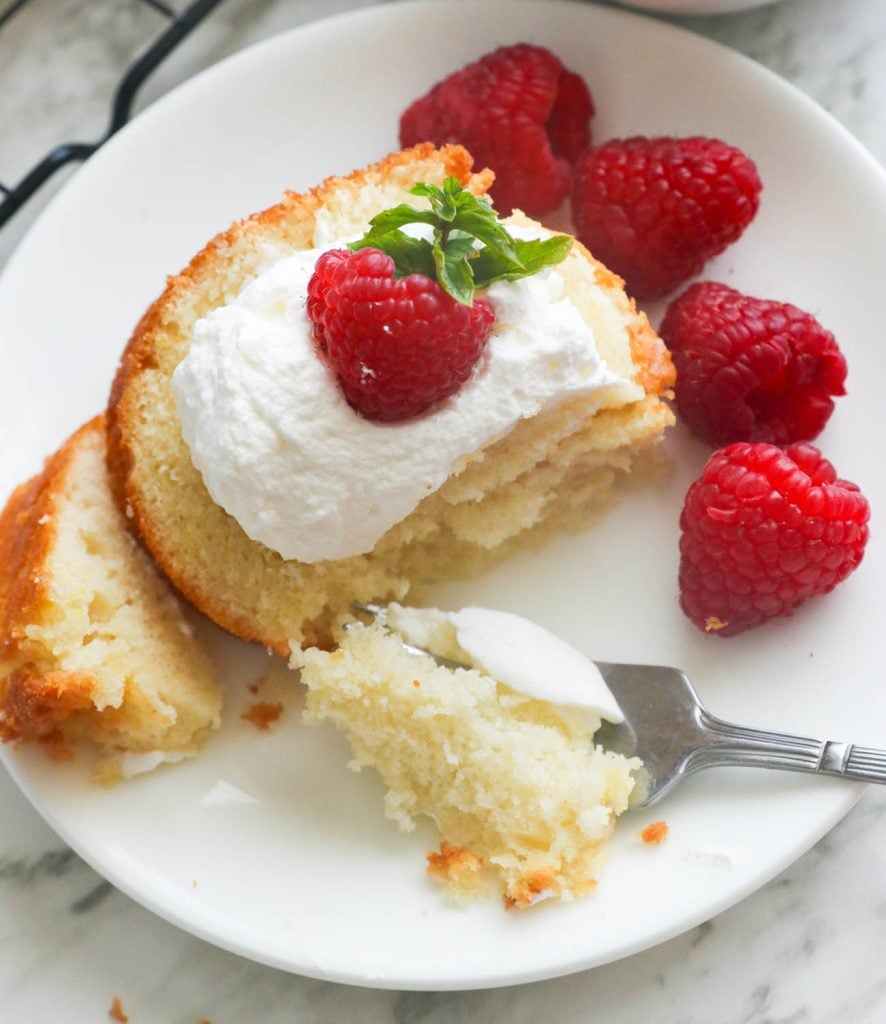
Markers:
{"x": 516, "y": 787}
{"x": 93, "y": 643}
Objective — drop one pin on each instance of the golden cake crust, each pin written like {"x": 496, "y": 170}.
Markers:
{"x": 654, "y": 367}
{"x": 34, "y": 704}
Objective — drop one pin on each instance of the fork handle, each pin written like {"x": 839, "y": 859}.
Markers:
{"x": 728, "y": 744}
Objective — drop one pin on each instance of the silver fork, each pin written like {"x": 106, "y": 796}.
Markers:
{"x": 668, "y": 727}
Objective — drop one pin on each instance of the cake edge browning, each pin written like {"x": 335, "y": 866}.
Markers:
{"x": 34, "y": 705}
{"x": 655, "y": 368}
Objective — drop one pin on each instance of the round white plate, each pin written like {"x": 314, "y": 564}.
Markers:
{"x": 267, "y": 844}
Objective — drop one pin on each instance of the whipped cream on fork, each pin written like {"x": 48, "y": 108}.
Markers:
{"x": 514, "y": 651}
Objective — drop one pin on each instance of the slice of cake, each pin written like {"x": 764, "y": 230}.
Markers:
{"x": 93, "y": 644}
{"x": 272, "y": 504}
{"x": 507, "y": 770}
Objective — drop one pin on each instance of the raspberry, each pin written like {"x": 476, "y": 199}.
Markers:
{"x": 520, "y": 112}
{"x": 751, "y": 369}
{"x": 396, "y": 345}
{"x": 655, "y": 210}
{"x": 763, "y": 529}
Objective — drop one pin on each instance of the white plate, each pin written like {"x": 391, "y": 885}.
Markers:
{"x": 267, "y": 845}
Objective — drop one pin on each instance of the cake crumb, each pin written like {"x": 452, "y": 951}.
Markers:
{"x": 712, "y": 624}
{"x": 416, "y": 683}
{"x": 655, "y": 833}
{"x": 116, "y": 1011}
{"x": 263, "y": 713}
{"x": 454, "y": 865}
{"x": 583, "y": 888}
{"x": 527, "y": 890}
{"x": 56, "y": 749}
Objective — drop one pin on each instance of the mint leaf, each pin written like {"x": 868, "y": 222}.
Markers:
{"x": 534, "y": 255}
{"x": 444, "y": 201}
{"x": 410, "y": 255}
{"x": 451, "y": 260}
{"x": 471, "y": 249}
{"x": 397, "y": 216}
{"x": 488, "y": 230}
{"x": 467, "y": 212}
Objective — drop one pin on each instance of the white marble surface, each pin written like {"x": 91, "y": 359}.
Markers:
{"x": 804, "y": 950}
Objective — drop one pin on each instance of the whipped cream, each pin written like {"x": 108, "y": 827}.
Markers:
{"x": 516, "y": 652}
{"x": 281, "y": 450}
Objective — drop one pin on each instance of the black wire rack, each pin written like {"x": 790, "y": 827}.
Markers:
{"x": 180, "y": 24}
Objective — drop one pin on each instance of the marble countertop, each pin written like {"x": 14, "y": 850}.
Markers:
{"x": 806, "y": 949}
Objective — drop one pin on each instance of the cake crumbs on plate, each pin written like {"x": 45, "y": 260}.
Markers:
{"x": 458, "y": 869}
{"x": 263, "y": 713}
{"x": 116, "y": 1011}
{"x": 56, "y": 748}
{"x": 453, "y": 863}
{"x": 530, "y": 889}
{"x": 279, "y": 689}
{"x": 655, "y": 834}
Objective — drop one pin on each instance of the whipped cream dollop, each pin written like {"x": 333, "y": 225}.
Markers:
{"x": 280, "y": 449}
{"x": 514, "y": 651}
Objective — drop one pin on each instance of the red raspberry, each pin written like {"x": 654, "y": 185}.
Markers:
{"x": 655, "y": 210}
{"x": 520, "y": 112}
{"x": 751, "y": 369}
{"x": 397, "y": 345}
{"x": 764, "y": 528}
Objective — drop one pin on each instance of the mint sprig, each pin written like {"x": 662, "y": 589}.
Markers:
{"x": 471, "y": 248}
